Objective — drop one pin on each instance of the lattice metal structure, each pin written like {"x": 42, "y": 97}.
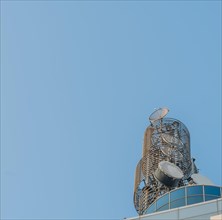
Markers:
{"x": 166, "y": 161}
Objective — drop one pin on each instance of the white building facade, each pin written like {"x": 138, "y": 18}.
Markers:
{"x": 209, "y": 210}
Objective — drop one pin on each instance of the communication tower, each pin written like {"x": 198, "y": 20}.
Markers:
{"x": 166, "y": 166}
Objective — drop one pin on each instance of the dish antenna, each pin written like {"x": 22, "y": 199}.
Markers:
{"x": 201, "y": 180}
{"x": 158, "y": 114}
{"x": 172, "y": 153}
{"x": 168, "y": 173}
{"x": 172, "y": 140}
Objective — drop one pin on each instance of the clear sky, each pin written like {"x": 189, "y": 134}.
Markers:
{"x": 79, "y": 80}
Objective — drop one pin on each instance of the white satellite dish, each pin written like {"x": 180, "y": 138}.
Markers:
{"x": 201, "y": 180}
{"x": 172, "y": 140}
{"x": 171, "y": 152}
{"x": 158, "y": 114}
{"x": 168, "y": 173}
{"x": 170, "y": 169}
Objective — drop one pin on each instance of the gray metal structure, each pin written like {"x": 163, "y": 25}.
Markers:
{"x": 166, "y": 162}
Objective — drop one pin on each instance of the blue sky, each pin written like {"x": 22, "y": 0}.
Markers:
{"x": 79, "y": 80}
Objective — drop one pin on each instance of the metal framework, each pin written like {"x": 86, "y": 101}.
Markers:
{"x": 168, "y": 140}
